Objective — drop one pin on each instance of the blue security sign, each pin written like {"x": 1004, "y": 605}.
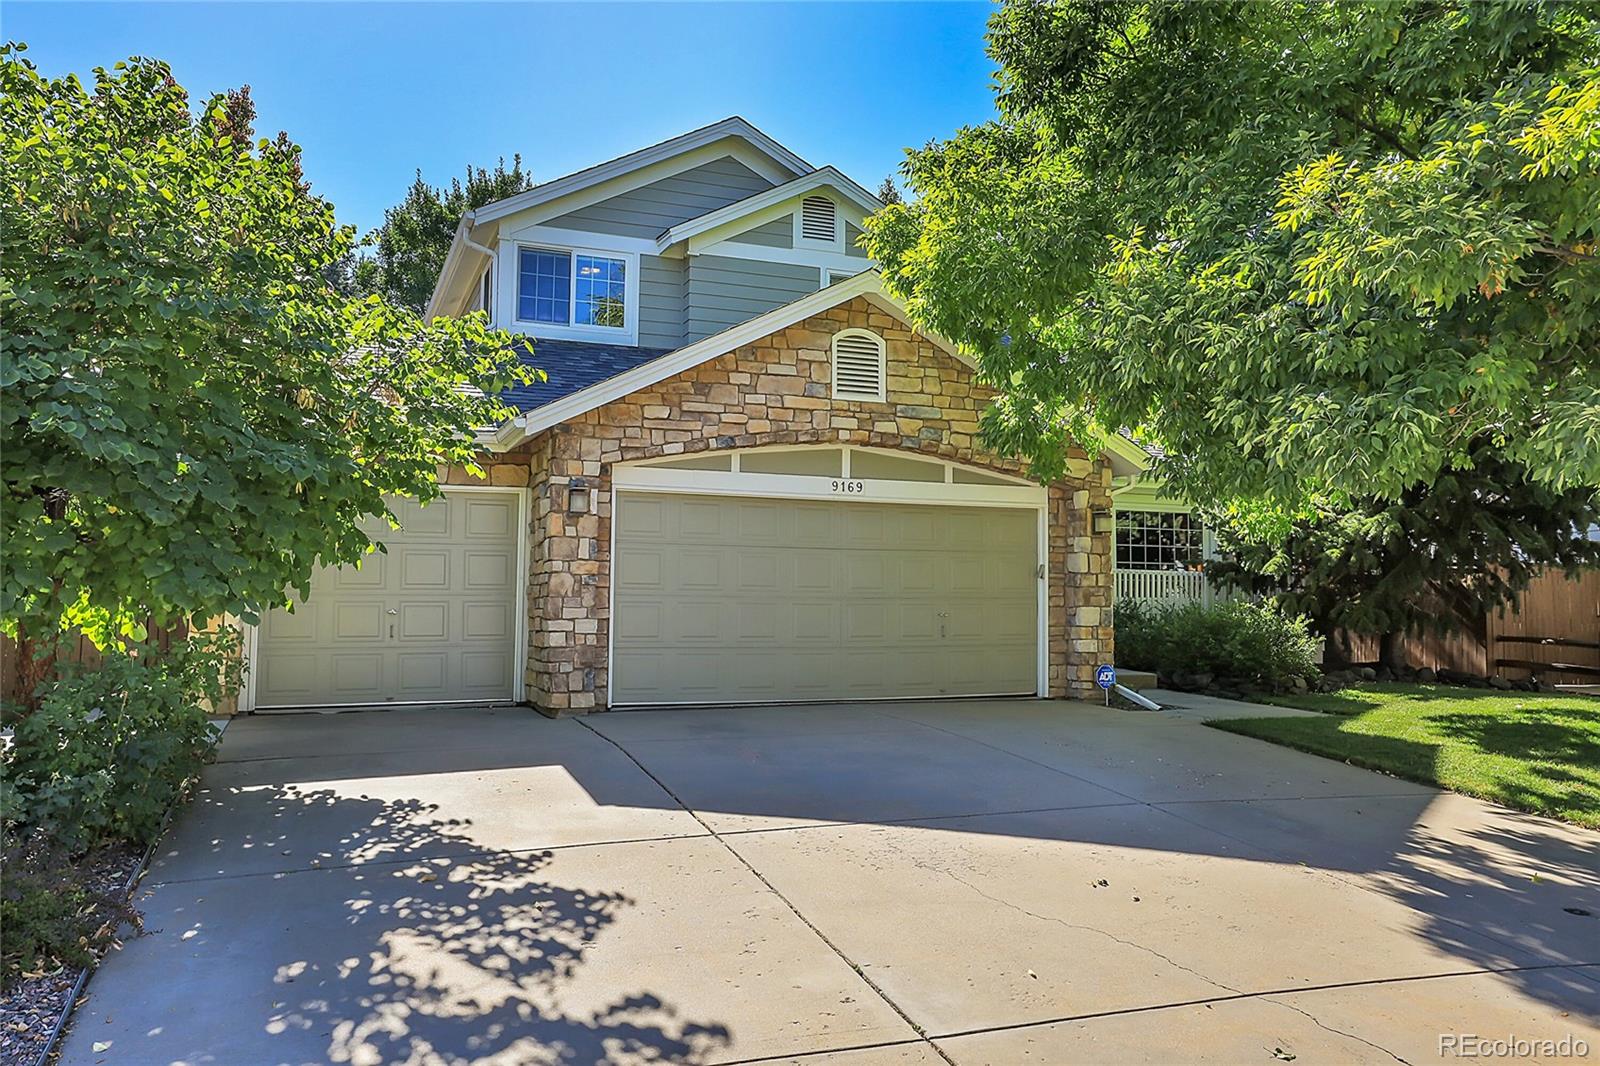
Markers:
{"x": 1106, "y": 676}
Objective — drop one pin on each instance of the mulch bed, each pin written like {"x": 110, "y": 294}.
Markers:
{"x": 30, "y": 1009}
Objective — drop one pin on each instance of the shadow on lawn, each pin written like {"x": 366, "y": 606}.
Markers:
{"x": 406, "y": 955}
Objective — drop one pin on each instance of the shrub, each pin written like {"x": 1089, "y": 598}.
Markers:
{"x": 109, "y": 749}
{"x": 1248, "y": 643}
{"x": 53, "y": 913}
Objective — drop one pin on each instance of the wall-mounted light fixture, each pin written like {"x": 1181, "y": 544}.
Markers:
{"x": 577, "y": 498}
{"x": 1102, "y": 520}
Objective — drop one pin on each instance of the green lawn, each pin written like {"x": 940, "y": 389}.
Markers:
{"x": 1535, "y": 751}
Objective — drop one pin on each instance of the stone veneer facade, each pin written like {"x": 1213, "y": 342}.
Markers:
{"x": 776, "y": 391}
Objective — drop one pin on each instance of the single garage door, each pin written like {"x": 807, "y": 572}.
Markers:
{"x": 735, "y": 600}
{"x": 431, "y": 620}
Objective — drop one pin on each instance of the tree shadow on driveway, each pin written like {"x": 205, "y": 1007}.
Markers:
{"x": 418, "y": 957}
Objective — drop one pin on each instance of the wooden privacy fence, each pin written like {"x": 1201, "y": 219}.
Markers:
{"x": 1554, "y": 633}
{"x": 76, "y": 648}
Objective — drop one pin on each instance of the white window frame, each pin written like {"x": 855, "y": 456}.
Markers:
{"x": 802, "y": 241}
{"x": 882, "y": 394}
{"x": 627, "y": 333}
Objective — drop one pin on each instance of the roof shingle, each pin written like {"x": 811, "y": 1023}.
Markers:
{"x": 573, "y": 365}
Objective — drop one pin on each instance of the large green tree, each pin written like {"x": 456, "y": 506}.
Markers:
{"x": 1307, "y": 246}
{"x": 1441, "y": 556}
{"x": 193, "y": 417}
{"x": 411, "y": 245}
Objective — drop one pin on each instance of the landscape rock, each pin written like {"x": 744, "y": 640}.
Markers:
{"x": 1427, "y": 675}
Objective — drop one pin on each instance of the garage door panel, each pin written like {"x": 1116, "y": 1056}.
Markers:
{"x": 433, "y": 619}
{"x": 640, "y": 571}
{"x": 698, "y": 569}
{"x": 852, "y": 600}
{"x": 358, "y": 621}
{"x": 491, "y": 519}
{"x": 423, "y": 621}
{"x": 422, "y": 674}
{"x": 297, "y": 625}
{"x": 700, "y": 621}
{"x": 812, "y": 524}
{"x": 701, "y": 518}
{"x": 488, "y": 570}
{"x": 756, "y": 572}
{"x": 482, "y": 621}
{"x": 424, "y": 569}
{"x": 813, "y": 571}
{"x": 357, "y": 672}
{"x": 758, "y": 622}
{"x": 816, "y": 622}
{"x": 366, "y": 577}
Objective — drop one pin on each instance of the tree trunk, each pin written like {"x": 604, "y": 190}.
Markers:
{"x": 35, "y": 666}
{"x": 1391, "y": 650}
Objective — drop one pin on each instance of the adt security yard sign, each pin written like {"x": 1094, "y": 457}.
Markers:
{"x": 1105, "y": 677}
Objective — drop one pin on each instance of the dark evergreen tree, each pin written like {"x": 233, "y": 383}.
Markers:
{"x": 1440, "y": 558}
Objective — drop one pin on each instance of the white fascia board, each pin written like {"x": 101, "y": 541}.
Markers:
{"x": 826, "y": 177}
{"x": 463, "y": 251}
{"x": 1127, "y": 458}
{"x": 634, "y": 161}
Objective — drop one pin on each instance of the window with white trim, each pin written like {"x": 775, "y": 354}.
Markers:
{"x": 819, "y": 219}
{"x": 858, "y": 365}
{"x": 564, "y": 288}
{"x": 1159, "y": 540}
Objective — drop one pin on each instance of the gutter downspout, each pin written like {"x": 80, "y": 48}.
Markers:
{"x": 471, "y": 219}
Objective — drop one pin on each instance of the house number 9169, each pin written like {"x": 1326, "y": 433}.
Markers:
{"x": 847, "y": 486}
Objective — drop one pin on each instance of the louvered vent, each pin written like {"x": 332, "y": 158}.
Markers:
{"x": 857, "y": 365}
{"x": 818, "y": 219}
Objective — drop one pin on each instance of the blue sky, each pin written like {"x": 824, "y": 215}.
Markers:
{"x": 373, "y": 91}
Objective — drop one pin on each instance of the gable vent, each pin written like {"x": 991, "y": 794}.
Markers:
{"x": 818, "y": 219}
{"x": 858, "y": 370}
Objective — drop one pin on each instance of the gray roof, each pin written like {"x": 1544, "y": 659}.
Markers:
{"x": 574, "y": 365}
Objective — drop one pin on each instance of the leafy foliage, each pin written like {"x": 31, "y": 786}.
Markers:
{"x": 1246, "y": 643}
{"x": 1440, "y": 557}
{"x": 108, "y": 750}
{"x": 415, "y": 236}
{"x": 194, "y": 417}
{"x": 1307, "y": 247}
{"x": 51, "y": 913}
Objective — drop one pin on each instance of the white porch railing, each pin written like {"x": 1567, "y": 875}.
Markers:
{"x": 1170, "y": 586}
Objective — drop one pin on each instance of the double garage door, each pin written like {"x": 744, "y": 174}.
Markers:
{"x": 433, "y": 619}
{"x": 736, "y": 599}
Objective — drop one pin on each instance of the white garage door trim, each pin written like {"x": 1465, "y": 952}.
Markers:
{"x": 252, "y": 633}
{"x": 650, "y": 475}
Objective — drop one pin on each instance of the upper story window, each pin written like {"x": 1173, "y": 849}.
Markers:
{"x": 1159, "y": 540}
{"x": 561, "y": 288}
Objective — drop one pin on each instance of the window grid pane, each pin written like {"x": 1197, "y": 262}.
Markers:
{"x": 1159, "y": 540}
{"x": 544, "y": 282}
{"x": 601, "y": 291}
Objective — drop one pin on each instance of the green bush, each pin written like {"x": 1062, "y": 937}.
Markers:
{"x": 51, "y": 915}
{"x": 109, "y": 749}
{"x": 1245, "y": 643}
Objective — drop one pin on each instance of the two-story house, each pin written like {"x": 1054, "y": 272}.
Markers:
{"x": 747, "y": 479}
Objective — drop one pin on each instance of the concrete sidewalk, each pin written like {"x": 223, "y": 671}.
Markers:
{"x": 971, "y": 882}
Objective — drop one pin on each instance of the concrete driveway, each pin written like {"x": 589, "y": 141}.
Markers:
{"x": 973, "y": 882}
